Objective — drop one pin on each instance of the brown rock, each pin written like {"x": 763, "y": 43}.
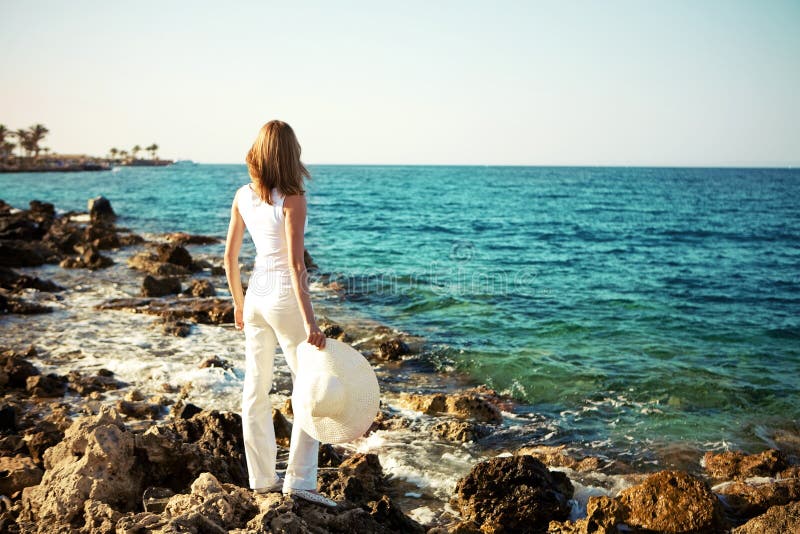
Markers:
{"x": 513, "y": 494}
{"x": 673, "y": 501}
{"x": 9, "y": 304}
{"x": 158, "y": 287}
{"x": 86, "y": 384}
{"x": 149, "y": 263}
{"x": 359, "y": 479}
{"x": 737, "y": 465}
{"x": 138, "y": 409}
{"x": 41, "y": 437}
{"x": 17, "y": 369}
{"x": 778, "y": 519}
{"x": 393, "y": 349}
{"x": 182, "y": 238}
{"x": 205, "y": 311}
{"x": 100, "y": 209}
{"x": 216, "y": 361}
{"x": 459, "y": 404}
{"x": 94, "y": 461}
{"x": 461, "y": 431}
{"x": 50, "y": 385}
{"x": 428, "y": 404}
{"x": 201, "y": 288}
{"x": 16, "y": 473}
{"x": 13, "y": 281}
{"x": 22, "y": 253}
{"x": 176, "y": 328}
{"x": 174, "y": 254}
{"x": 283, "y": 428}
{"x": 474, "y": 407}
{"x": 556, "y": 456}
{"x": 746, "y": 499}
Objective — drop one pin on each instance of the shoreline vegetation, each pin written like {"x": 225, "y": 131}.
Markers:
{"x": 22, "y": 151}
{"x": 83, "y": 451}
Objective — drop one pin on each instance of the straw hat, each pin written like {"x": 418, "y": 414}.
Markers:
{"x": 336, "y": 394}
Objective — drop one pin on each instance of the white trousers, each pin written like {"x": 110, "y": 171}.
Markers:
{"x": 272, "y": 316}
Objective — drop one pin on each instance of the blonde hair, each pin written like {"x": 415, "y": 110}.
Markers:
{"x": 274, "y": 161}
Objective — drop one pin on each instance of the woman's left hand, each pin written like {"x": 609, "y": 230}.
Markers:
{"x": 238, "y": 318}
{"x": 315, "y": 336}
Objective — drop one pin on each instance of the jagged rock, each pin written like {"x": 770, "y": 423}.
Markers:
{"x": 16, "y": 473}
{"x": 205, "y": 311}
{"x": 49, "y": 385}
{"x": 603, "y": 515}
{"x": 41, "y": 437}
{"x": 158, "y": 287}
{"x": 181, "y": 449}
{"x": 101, "y": 234}
{"x": 359, "y": 479}
{"x": 12, "y": 280}
{"x": 513, "y": 494}
{"x": 283, "y": 428}
{"x": 176, "y": 328}
{"x": 148, "y": 262}
{"x": 201, "y": 288}
{"x": 783, "y": 519}
{"x": 462, "y": 431}
{"x": 94, "y": 461}
{"x": 63, "y": 235}
{"x": 184, "y": 410}
{"x": 9, "y": 304}
{"x": 174, "y": 254}
{"x": 746, "y": 499}
{"x": 329, "y": 456}
{"x": 216, "y": 361}
{"x": 22, "y": 253}
{"x": 182, "y": 238}
{"x": 556, "y": 456}
{"x": 138, "y": 409}
{"x": 89, "y": 258}
{"x": 673, "y": 501}
{"x": 86, "y": 384}
{"x": 8, "y": 417}
{"x": 393, "y": 349}
{"x": 100, "y": 208}
{"x": 17, "y": 369}
{"x": 738, "y": 465}
{"x": 388, "y": 421}
{"x": 460, "y": 404}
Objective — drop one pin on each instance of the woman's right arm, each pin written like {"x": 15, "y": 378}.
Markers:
{"x": 295, "y": 210}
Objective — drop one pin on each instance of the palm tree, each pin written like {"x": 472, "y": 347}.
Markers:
{"x": 22, "y": 141}
{"x": 114, "y": 151}
{"x": 123, "y": 155}
{"x": 4, "y": 145}
{"x": 152, "y": 149}
{"x": 37, "y": 133}
{"x": 135, "y": 150}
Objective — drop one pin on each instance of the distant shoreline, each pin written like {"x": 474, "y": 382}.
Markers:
{"x": 81, "y": 164}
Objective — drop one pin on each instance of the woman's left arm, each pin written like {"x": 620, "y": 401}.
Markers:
{"x": 233, "y": 245}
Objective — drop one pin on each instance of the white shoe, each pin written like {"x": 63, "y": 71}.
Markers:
{"x": 312, "y": 496}
{"x": 275, "y": 488}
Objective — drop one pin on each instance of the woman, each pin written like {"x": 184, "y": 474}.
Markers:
{"x": 277, "y": 308}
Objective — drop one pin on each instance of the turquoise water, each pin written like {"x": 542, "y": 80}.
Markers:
{"x": 642, "y": 305}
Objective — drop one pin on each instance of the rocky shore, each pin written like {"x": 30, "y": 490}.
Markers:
{"x": 84, "y": 450}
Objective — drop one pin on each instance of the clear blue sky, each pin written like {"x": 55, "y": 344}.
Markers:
{"x": 426, "y": 82}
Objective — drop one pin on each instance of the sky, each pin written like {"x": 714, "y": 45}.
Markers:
{"x": 683, "y": 83}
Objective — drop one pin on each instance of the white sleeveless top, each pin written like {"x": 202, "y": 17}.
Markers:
{"x": 265, "y": 224}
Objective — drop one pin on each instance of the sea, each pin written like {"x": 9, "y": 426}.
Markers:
{"x": 632, "y": 309}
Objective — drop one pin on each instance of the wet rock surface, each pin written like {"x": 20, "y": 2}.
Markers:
{"x": 513, "y": 494}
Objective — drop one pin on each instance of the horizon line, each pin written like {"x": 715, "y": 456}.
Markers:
{"x": 787, "y": 166}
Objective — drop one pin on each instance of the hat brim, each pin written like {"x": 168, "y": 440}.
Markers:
{"x": 361, "y": 391}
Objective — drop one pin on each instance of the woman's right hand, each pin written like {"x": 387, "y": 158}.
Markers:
{"x": 315, "y": 336}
